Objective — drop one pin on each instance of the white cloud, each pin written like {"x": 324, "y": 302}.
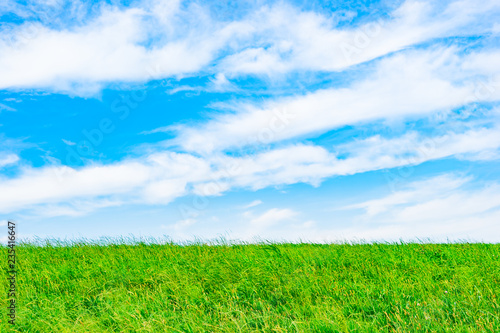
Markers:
{"x": 8, "y": 159}
{"x": 111, "y": 48}
{"x": 221, "y": 83}
{"x": 158, "y": 179}
{"x": 43, "y": 186}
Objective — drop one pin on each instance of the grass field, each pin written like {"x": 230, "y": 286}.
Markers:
{"x": 257, "y": 288}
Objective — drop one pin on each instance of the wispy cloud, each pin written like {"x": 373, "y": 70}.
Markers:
{"x": 8, "y": 159}
{"x": 447, "y": 207}
{"x": 271, "y": 217}
{"x": 164, "y": 176}
{"x": 410, "y": 84}
{"x": 252, "y": 204}
{"x": 68, "y": 142}
{"x": 6, "y": 108}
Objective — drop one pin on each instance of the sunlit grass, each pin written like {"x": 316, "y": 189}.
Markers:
{"x": 105, "y": 287}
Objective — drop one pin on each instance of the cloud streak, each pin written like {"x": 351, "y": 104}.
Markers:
{"x": 162, "y": 177}
{"x": 411, "y": 84}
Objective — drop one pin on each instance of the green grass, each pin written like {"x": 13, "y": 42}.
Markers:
{"x": 257, "y": 288}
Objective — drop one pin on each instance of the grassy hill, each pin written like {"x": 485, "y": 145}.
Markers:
{"x": 84, "y": 287}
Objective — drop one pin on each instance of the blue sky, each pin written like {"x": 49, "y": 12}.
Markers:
{"x": 300, "y": 120}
